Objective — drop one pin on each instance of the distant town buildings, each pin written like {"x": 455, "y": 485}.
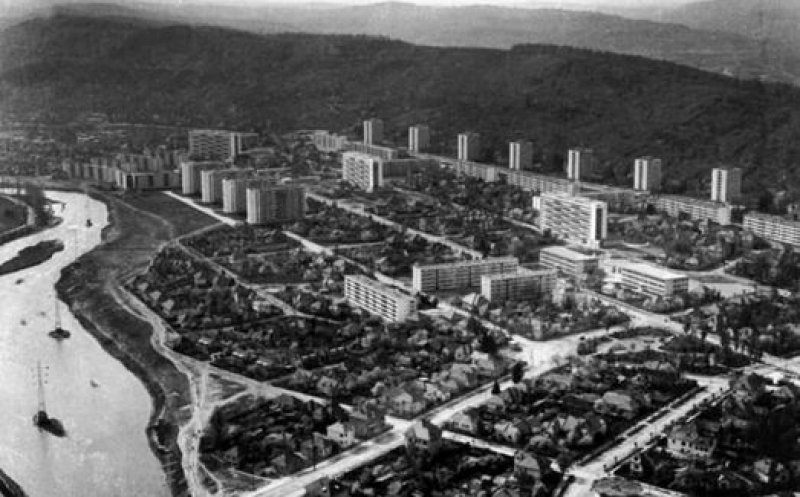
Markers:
{"x": 647, "y": 173}
{"x": 376, "y": 298}
{"x": 520, "y": 155}
{"x": 270, "y": 203}
{"x": 579, "y": 219}
{"x": 191, "y": 174}
{"x": 580, "y": 163}
{"x": 652, "y": 280}
{"x": 726, "y": 184}
{"x": 469, "y": 146}
{"x": 519, "y": 284}
{"x": 458, "y": 275}
{"x": 152, "y": 170}
{"x": 373, "y": 131}
{"x": 570, "y": 262}
{"x": 419, "y": 138}
{"x": 220, "y": 145}
{"x": 328, "y": 142}
{"x": 694, "y": 208}
{"x": 211, "y": 182}
{"x": 774, "y": 228}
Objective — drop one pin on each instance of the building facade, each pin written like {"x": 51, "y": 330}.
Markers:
{"x": 419, "y": 138}
{"x": 274, "y": 203}
{"x": 647, "y": 173}
{"x": 773, "y": 228}
{"x": 191, "y": 175}
{"x": 215, "y": 144}
{"x": 694, "y": 208}
{"x": 652, "y": 280}
{"x": 385, "y": 153}
{"x": 368, "y": 172}
{"x": 568, "y": 261}
{"x": 469, "y": 146}
{"x": 520, "y": 155}
{"x": 458, "y": 275}
{"x": 378, "y": 299}
{"x": 726, "y": 184}
{"x": 580, "y": 163}
{"x": 520, "y": 284}
{"x": 328, "y": 142}
{"x": 211, "y": 182}
{"x": 373, "y": 131}
{"x": 578, "y": 219}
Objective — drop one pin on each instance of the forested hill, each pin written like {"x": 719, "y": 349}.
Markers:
{"x": 623, "y": 106}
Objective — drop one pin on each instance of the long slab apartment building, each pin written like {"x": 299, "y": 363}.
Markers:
{"x": 458, "y": 275}
{"x": 376, "y": 298}
{"x": 774, "y": 228}
{"x": 519, "y": 284}
{"x": 155, "y": 170}
{"x": 216, "y": 144}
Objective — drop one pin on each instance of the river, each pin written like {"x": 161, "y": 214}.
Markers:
{"x": 105, "y": 453}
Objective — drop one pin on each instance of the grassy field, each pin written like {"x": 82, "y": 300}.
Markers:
{"x": 11, "y": 215}
{"x": 89, "y": 286}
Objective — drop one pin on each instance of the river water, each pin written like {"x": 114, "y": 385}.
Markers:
{"x": 105, "y": 453}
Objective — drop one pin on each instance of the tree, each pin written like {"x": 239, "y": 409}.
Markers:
{"x": 517, "y": 372}
{"x": 488, "y": 344}
{"x": 496, "y": 388}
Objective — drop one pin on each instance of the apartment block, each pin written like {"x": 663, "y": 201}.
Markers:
{"x": 376, "y": 298}
{"x": 328, "y": 142}
{"x": 213, "y": 144}
{"x": 419, "y": 138}
{"x": 458, "y": 275}
{"x": 520, "y": 284}
{"x": 134, "y": 172}
{"x": 652, "y": 280}
{"x": 191, "y": 175}
{"x": 373, "y": 131}
{"x": 234, "y": 193}
{"x": 570, "y": 262}
{"x": 580, "y": 163}
{"x": 726, "y": 184}
{"x": 646, "y": 173}
{"x": 773, "y": 228}
{"x": 385, "y": 153}
{"x": 469, "y": 146}
{"x": 368, "y": 172}
{"x": 520, "y": 155}
{"x": 540, "y": 183}
{"x": 211, "y": 182}
{"x": 274, "y": 203}
{"x": 581, "y": 220}
{"x": 694, "y": 208}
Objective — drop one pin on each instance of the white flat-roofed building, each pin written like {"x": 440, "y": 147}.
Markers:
{"x": 419, "y": 138}
{"x": 469, "y": 146}
{"x": 385, "y": 153}
{"x": 373, "y": 131}
{"x": 275, "y": 203}
{"x": 568, "y": 261}
{"x": 458, "y": 275}
{"x": 578, "y": 219}
{"x": 774, "y": 228}
{"x": 540, "y": 182}
{"x": 191, "y": 179}
{"x": 376, "y": 298}
{"x": 580, "y": 163}
{"x": 652, "y": 280}
{"x": 647, "y": 173}
{"x": 520, "y": 284}
{"x": 726, "y": 184}
{"x": 520, "y": 155}
{"x": 694, "y": 208}
{"x": 211, "y": 182}
{"x": 216, "y": 144}
{"x": 234, "y": 193}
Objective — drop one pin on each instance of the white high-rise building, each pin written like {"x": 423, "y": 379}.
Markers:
{"x": 234, "y": 193}
{"x": 520, "y": 155}
{"x": 419, "y": 138}
{"x": 214, "y": 144}
{"x": 580, "y": 163}
{"x": 376, "y": 298}
{"x": 373, "y": 131}
{"x": 726, "y": 184}
{"x": 274, "y": 203}
{"x": 579, "y": 219}
{"x": 646, "y": 173}
{"x": 469, "y": 146}
{"x": 211, "y": 182}
{"x": 191, "y": 171}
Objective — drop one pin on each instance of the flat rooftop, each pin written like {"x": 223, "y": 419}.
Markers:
{"x": 654, "y": 271}
{"x": 568, "y": 253}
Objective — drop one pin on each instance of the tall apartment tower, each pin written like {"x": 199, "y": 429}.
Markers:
{"x": 373, "y": 131}
{"x": 520, "y": 155}
{"x": 469, "y": 146}
{"x": 214, "y": 144}
{"x": 580, "y": 162}
{"x": 726, "y": 184}
{"x": 581, "y": 220}
{"x": 270, "y": 203}
{"x": 419, "y": 138}
{"x": 646, "y": 173}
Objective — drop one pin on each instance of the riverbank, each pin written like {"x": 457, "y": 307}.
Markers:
{"x": 31, "y": 256}
{"x": 128, "y": 243}
{"x": 10, "y": 488}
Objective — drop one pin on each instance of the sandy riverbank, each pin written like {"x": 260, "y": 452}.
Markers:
{"x": 128, "y": 243}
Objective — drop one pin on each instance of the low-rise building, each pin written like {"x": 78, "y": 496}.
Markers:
{"x": 376, "y": 298}
{"x": 687, "y": 442}
{"x": 458, "y": 275}
{"x": 652, "y": 280}
{"x": 521, "y": 284}
{"x": 568, "y": 261}
{"x": 773, "y": 228}
{"x": 694, "y": 208}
